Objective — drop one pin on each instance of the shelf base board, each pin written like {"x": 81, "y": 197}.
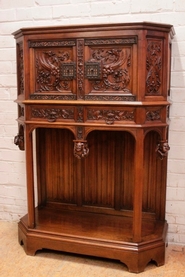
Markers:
{"x": 135, "y": 256}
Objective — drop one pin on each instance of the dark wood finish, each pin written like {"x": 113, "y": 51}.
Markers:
{"x": 93, "y": 119}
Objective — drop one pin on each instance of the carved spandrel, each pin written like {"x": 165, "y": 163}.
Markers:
{"x": 154, "y": 67}
{"x": 52, "y": 114}
{"x": 50, "y": 70}
{"x": 110, "y": 115}
{"x": 110, "y": 69}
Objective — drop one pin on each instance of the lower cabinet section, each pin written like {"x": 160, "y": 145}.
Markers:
{"x": 95, "y": 234}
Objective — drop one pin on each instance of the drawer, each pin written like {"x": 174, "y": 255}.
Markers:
{"x": 50, "y": 113}
{"x": 110, "y": 115}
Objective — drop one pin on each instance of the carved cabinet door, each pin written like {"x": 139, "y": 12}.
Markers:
{"x": 53, "y": 69}
{"x": 109, "y": 68}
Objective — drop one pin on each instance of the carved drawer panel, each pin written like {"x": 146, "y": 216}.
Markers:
{"x": 110, "y": 115}
{"x": 51, "y": 113}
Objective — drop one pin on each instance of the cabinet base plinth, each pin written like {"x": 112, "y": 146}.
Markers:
{"x": 135, "y": 256}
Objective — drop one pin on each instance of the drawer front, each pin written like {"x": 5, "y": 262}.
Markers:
{"x": 110, "y": 115}
{"x": 51, "y": 113}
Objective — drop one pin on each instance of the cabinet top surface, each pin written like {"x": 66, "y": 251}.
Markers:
{"x": 93, "y": 27}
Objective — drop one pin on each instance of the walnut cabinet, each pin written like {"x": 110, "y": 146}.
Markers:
{"x": 93, "y": 114}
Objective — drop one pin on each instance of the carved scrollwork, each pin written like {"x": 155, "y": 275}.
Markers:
{"x": 110, "y": 115}
{"x": 162, "y": 149}
{"x": 81, "y": 149}
{"x": 52, "y": 114}
{"x": 19, "y": 138}
{"x": 153, "y": 67}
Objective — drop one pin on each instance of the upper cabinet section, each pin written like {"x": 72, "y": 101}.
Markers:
{"x": 110, "y": 62}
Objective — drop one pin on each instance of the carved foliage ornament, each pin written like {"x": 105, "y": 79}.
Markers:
{"x": 110, "y": 68}
{"x": 153, "y": 67}
{"x": 110, "y": 115}
{"x": 52, "y": 114}
{"x": 54, "y": 70}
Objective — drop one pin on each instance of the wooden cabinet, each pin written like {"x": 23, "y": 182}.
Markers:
{"x": 93, "y": 115}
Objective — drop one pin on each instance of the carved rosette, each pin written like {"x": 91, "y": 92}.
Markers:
{"x": 153, "y": 67}
{"x": 52, "y": 114}
{"x": 162, "y": 149}
{"x": 81, "y": 149}
{"x": 110, "y": 115}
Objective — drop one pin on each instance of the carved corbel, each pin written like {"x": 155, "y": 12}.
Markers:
{"x": 19, "y": 139}
{"x": 81, "y": 149}
{"x": 162, "y": 149}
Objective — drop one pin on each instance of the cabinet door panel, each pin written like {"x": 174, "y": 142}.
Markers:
{"x": 53, "y": 71}
{"x": 109, "y": 69}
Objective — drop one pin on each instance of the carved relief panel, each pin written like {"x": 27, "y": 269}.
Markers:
{"x": 54, "y": 71}
{"x": 20, "y": 68}
{"x": 154, "y": 66}
{"x": 109, "y": 69}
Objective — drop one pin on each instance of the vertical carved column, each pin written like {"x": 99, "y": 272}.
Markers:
{"x": 80, "y": 68}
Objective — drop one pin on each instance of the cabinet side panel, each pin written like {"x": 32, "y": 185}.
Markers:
{"x": 154, "y": 183}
